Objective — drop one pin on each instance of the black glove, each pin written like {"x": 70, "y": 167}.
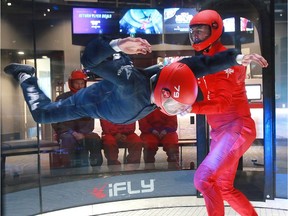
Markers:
{"x": 91, "y": 76}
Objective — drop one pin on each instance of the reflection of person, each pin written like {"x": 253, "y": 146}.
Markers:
{"x": 145, "y": 22}
{"x": 141, "y": 21}
{"x": 115, "y": 136}
{"x": 226, "y": 107}
{"x": 159, "y": 128}
{"x": 126, "y": 94}
{"x": 78, "y": 134}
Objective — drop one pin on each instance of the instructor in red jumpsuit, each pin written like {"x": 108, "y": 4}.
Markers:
{"x": 226, "y": 107}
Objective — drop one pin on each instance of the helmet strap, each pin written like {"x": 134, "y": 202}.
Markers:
{"x": 208, "y": 49}
{"x": 153, "y": 81}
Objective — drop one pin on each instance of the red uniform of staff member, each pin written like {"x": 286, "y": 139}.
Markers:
{"x": 159, "y": 128}
{"x": 117, "y": 135}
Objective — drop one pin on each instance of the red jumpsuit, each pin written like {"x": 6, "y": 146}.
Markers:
{"x": 233, "y": 131}
{"x": 115, "y": 136}
{"x": 158, "y": 128}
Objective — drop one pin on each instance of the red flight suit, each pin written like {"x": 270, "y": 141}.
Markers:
{"x": 233, "y": 131}
{"x": 115, "y": 136}
{"x": 158, "y": 128}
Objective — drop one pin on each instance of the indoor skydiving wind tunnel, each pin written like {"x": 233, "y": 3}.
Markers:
{"x": 51, "y": 36}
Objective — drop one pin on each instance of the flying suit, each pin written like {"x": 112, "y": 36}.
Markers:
{"x": 123, "y": 96}
{"x": 233, "y": 131}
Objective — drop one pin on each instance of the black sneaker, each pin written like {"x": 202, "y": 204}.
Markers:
{"x": 15, "y": 69}
{"x": 96, "y": 161}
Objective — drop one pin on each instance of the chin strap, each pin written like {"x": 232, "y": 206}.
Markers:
{"x": 208, "y": 49}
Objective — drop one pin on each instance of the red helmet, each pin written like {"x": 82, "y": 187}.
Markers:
{"x": 76, "y": 75}
{"x": 176, "y": 89}
{"x": 215, "y": 23}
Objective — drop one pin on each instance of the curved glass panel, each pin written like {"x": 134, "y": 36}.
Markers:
{"x": 39, "y": 167}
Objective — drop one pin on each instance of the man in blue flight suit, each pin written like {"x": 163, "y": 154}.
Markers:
{"x": 126, "y": 93}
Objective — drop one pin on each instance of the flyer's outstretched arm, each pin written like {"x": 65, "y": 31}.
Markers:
{"x": 203, "y": 65}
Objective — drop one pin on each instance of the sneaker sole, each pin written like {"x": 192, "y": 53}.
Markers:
{"x": 15, "y": 68}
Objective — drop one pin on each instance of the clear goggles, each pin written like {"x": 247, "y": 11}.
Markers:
{"x": 173, "y": 107}
{"x": 199, "y": 33}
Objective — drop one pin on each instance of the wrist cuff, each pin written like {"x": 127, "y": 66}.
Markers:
{"x": 114, "y": 45}
{"x": 239, "y": 58}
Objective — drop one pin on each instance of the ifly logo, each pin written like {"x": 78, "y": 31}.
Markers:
{"x": 124, "y": 188}
{"x": 99, "y": 192}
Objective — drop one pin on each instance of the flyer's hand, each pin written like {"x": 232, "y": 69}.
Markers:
{"x": 162, "y": 134}
{"x": 155, "y": 132}
{"x": 131, "y": 45}
{"x": 258, "y": 59}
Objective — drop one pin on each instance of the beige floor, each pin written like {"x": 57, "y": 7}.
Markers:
{"x": 170, "y": 206}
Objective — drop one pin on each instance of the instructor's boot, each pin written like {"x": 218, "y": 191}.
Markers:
{"x": 15, "y": 69}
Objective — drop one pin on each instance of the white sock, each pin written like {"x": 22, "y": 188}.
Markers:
{"x": 23, "y": 76}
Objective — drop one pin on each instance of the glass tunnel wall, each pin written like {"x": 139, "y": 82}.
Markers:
{"x": 44, "y": 34}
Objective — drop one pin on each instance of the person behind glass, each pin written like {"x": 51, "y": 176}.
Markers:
{"x": 227, "y": 110}
{"x": 77, "y": 135}
{"x": 115, "y": 136}
{"x": 158, "y": 128}
{"x": 126, "y": 93}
